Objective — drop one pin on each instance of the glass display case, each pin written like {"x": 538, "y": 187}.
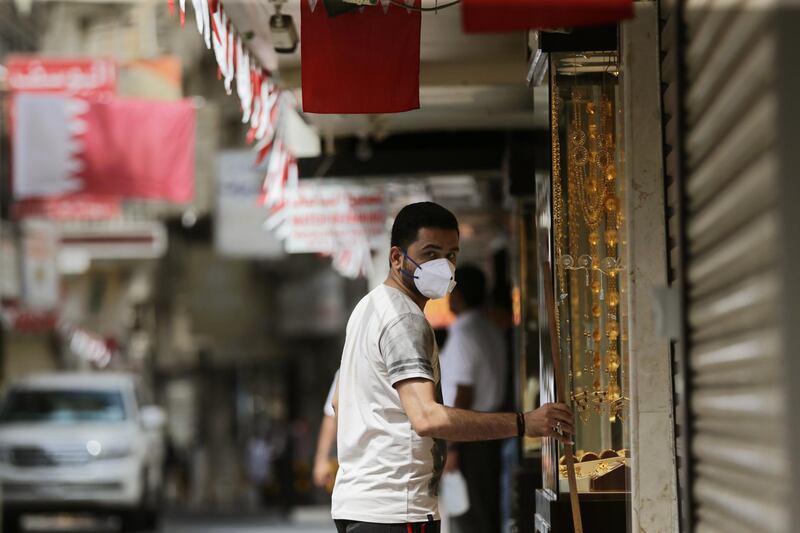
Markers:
{"x": 582, "y": 235}
{"x": 525, "y": 308}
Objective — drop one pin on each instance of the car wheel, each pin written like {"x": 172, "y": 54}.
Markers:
{"x": 12, "y": 521}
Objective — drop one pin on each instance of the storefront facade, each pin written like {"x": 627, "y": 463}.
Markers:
{"x": 666, "y": 223}
{"x": 730, "y": 125}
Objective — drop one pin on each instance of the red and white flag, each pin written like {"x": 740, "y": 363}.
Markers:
{"x": 366, "y": 61}
{"x": 111, "y": 147}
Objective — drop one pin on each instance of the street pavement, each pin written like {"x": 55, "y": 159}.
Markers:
{"x": 304, "y": 520}
{"x": 253, "y": 524}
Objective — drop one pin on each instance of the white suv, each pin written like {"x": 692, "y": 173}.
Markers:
{"x": 83, "y": 443}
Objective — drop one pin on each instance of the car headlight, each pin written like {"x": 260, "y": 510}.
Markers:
{"x": 108, "y": 451}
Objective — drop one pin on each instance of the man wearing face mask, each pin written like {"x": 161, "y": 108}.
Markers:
{"x": 391, "y": 421}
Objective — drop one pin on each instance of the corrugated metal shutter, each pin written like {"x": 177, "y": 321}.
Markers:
{"x": 740, "y": 468}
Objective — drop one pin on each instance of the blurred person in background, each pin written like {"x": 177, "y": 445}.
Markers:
{"x": 324, "y": 466}
{"x": 260, "y": 454}
{"x": 474, "y": 370}
{"x": 500, "y": 311}
{"x": 391, "y": 422}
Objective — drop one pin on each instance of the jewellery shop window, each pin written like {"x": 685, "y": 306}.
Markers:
{"x": 590, "y": 275}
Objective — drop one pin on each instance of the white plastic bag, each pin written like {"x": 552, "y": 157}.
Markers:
{"x": 454, "y": 497}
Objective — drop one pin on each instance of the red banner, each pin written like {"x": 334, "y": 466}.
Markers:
{"x": 60, "y": 76}
{"x": 366, "y": 61}
{"x": 114, "y": 148}
{"x": 480, "y": 16}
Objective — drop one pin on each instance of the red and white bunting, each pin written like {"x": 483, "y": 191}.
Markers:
{"x": 230, "y": 57}
{"x": 268, "y": 110}
{"x": 198, "y": 15}
{"x": 260, "y": 99}
{"x": 276, "y": 220}
{"x": 282, "y": 176}
{"x": 219, "y": 39}
{"x": 244, "y": 82}
{"x": 353, "y": 258}
{"x": 203, "y": 20}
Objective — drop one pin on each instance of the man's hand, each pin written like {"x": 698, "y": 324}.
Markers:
{"x": 550, "y": 420}
{"x": 322, "y": 473}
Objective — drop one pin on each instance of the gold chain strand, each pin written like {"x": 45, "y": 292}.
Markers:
{"x": 576, "y": 315}
{"x": 558, "y": 202}
{"x": 592, "y": 194}
{"x": 613, "y": 393}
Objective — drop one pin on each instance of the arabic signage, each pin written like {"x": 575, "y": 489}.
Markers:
{"x": 62, "y": 76}
{"x": 324, "y": 217}
{"x": 79, "y": 77}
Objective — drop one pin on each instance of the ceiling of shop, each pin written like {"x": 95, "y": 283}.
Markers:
{"x": 467, "y": 81}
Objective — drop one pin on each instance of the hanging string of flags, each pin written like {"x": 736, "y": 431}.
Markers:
{"x": 333, "y": 220}
{"x": 260, "y": 99}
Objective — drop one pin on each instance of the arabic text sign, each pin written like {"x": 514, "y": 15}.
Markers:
{"x": 71, "y": 76}
{"x": 327, "y": 217}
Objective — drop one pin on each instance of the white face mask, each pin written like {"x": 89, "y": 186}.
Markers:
{"x": 434, "y": 279}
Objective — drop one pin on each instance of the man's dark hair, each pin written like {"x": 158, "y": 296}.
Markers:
{"x": 413, "y": 217}
{"x": 471, "y": 283}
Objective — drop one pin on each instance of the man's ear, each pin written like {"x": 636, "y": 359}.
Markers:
{"x": 395, "y": 257}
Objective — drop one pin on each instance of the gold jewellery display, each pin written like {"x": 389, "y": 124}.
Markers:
{"x": 588, "y": 230}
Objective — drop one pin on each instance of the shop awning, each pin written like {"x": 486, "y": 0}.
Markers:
{"x": 484, "y": 16}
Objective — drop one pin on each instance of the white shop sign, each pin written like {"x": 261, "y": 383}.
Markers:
{"x": 239, "y": 221}
{"x": 326, "y": 217}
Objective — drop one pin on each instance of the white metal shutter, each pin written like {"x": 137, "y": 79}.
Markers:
{"x": 740, "y": 468}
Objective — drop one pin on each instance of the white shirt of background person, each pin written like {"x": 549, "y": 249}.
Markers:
{"x": 474, "y": 355}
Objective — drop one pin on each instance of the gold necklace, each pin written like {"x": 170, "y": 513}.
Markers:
{"x": 612, "y": 219}
{"x": 583, "y": 160}
{"x": 576, "y": 139}
{"x": 558, "y": 207}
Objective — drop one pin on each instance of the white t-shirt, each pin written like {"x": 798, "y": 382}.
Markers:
{"x": 387, "y": 473}
{"x": 475, "y": 355}
{"x": 327, "y": 409}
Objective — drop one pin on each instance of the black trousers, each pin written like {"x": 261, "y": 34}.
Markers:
{"x": 348, "y": 526}
{"x": 480, "y": 465}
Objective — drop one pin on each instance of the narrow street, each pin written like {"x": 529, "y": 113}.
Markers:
{"x": 307, "y": 520}
{"x": 241, "y": 525}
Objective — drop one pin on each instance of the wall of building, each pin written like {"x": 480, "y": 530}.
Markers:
{"x": 654, "y": 486}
